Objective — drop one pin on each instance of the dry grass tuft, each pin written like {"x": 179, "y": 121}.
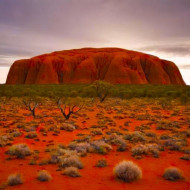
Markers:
{"x": 19, "y": 150}
{"x": 127, "y": 171}
{"x": 173, "y": 174}
{"x": 14, "y": 179}
{"x": 72, "y": 172}
{"x": 44, "y": 175}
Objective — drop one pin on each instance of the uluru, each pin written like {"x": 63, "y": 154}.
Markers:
{"x": 114, "y": 65}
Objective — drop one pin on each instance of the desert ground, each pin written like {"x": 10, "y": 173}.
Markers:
{"x": 152, "y": 133}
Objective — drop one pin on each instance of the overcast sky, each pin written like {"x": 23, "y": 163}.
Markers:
{"x": 32, "y": 27}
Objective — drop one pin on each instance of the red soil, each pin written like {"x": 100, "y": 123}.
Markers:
{"x": 93, "y": 178}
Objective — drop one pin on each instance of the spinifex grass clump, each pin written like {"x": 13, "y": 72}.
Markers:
{"x": 135, "y": 137}
{"x": 14, "y": 179}
{"x": 71, "y": 172}
{"x": 31, "y": 135}
{"x": 115, "y": 139}
{"x": 127, "y": 171}
{"x": 101, "y": 163}
{"x": 72, "y": 160}
{"x": 67, "y": 127}
{"x": 99, "y": 146}
{"x": 43, "y": 176}
{"x": 19, "y": 150}
{"x": 80, "y": 148}
{"x": 5, "y": 140}
{"x": 173, "y": 174}
{"x": 140, "y": 149}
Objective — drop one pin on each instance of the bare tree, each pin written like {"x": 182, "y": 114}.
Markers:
{"x": 68, "y": 110}
{"x": 31, "y": 105}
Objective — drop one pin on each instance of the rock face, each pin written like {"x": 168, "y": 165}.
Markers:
{"x": 114, "y": 65}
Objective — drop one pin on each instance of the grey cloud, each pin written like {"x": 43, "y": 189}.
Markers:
{"x": 184, "y": 67}
{"x": 33, "y": 27}
{"x": 29, "y": 28}
{"x": 175, "y": 50}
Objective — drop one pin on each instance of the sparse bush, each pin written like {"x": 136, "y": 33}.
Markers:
{"x": 163, "y": 125}
{"x": 128, "y": 136}
{"x": 173, "y": 174}
{"x": 100, "y": 147}
{"x": 127, "y": 171}
{"x": 17, "y": 134}
{"x": 122, "y": 147}
{"x": 43, "y": 162}
{"x": 32, "y": 162}
{"x": 154, "y": 149}
{"x": 138, "y": 136}
{"x": 139, "y": 150}
{"x": 101, "y": 163}
{"x": 80, "y": 147}
{"x": 72, "y": 172}
{"x": 164, "y": 137}
{"x": 172, "y": 144}
{"x": 96, "y": 132}
{"x": 68, "y": 127}
{"x": 44, "y": 175}
{"x": 19, "y": 150}
{"x": 165, "y": 103}
{"x": 185, "y": 157}
{"x": 14, "y": 179}
{"x": 117, "y": 140}
{"x": 31, "y": 135}
{"x": 184, "y": 98}
{"x": 4, "y": 140}
{"x": 150, "y": 134}
{"x": 59, "y": 154}
{"x": 72, "y": 160}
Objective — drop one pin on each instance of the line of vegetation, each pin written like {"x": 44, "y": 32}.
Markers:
{"x": 90, "y": 91}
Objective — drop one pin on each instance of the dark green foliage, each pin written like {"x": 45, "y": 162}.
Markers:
{"x": 86, "y": 90}
{"x": 184, "y": 98}
{"x": 102, "y": 89}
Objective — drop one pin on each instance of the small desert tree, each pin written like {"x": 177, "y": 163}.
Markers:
{"x": 102, "y": 89}
{"x": 31, "y": 105}
{"x": 69, "y": 107}
{"x": 3, "y": 101}
{"x": 184, "y": 99}
{"x": 165, "y": 103}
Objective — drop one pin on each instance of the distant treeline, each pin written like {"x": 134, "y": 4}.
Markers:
{"x": 82, "y": 90}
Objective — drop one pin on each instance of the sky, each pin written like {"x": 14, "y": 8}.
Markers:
{"x": 33, "y": 27}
